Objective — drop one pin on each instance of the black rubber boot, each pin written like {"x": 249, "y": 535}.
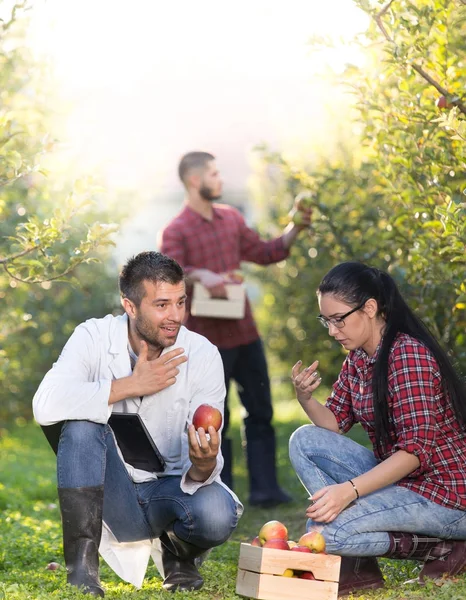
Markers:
{"x": 264, "y": 490}
{"x": 81, "y": 511}
{"x": 179, "y": 563}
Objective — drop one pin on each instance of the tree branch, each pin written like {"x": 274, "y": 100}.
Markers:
{"x": 430, "y": 80}
{"x": 7, "y": 259}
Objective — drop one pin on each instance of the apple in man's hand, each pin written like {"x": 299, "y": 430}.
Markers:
{"x": 206, "y": 415}
{"x": 273, "y": 530}
{"x": 314, "y": 540}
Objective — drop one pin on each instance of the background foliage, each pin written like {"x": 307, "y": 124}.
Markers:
{"x": 49, "y": 232}
{"x": 396, "y": 198}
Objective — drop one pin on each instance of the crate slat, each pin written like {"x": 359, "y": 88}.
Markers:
{"x": 272, "y": 587}
{"x": 274, "y": 562}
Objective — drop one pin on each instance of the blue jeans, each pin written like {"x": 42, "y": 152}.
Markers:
{"x": 321, "y": 458}
{"x": 87, "y": 457}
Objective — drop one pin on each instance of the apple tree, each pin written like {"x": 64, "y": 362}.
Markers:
{"x": 396, "y": 198}
{"x": 49, "y": 236}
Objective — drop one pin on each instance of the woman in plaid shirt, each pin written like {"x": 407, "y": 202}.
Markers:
{"x": 407, "y": 497}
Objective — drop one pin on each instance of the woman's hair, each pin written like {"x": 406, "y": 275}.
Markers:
{"x": 354, "y": 283}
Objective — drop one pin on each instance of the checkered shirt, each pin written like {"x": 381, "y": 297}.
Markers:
{"x": 421, "y": 419}
{"x": 219, "y": 245}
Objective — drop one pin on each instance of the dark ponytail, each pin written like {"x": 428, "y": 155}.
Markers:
{"x": 354, "y": 283}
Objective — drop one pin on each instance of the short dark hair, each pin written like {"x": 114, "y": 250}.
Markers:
{"x": 193, "y": 160}
{"x": 147, "y": 266}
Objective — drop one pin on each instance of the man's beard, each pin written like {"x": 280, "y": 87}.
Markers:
{"x": 147, "y": 333}
{"x": 206, "y": 193}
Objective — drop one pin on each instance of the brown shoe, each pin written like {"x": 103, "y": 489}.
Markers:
{"x": 448, "y": 563}
{"x": 359, "y": 573}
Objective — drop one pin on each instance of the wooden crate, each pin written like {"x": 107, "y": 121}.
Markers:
{"x": 260, "y": 574}
{"x": 232, "y": 307}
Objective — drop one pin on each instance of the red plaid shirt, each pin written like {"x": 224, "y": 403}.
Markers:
{"x": 422, "y": 421}
{"x": 219, "y": 245}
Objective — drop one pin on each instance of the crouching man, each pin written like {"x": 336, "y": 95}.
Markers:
{"x": 142, "y": 362}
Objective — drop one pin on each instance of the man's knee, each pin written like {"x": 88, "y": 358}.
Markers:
{"x": 216, "y": 517}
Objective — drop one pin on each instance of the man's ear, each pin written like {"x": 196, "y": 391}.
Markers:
{"x": 129, "y": 307}
{"x": 193, "y": 180}
{"x": 371, "y": 308}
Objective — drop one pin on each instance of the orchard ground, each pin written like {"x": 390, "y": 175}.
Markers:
{"x": 31, "y": 533}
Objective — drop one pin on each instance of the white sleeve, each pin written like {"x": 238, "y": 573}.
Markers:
{"x": 70, "y": 391}
{"x": 209, "y": 390}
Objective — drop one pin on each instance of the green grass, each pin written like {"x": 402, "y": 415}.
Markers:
{"x": 30, "y": 532}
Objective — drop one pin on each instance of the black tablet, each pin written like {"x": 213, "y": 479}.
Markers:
{"x": 135, "y": 442}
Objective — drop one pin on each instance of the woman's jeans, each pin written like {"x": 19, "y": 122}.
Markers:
{"x": 87, "y": 457}
{"x": 322, "y": 458}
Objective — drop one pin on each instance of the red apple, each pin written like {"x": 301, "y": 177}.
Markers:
{"x": 53, "y": 566}
{"x": 301, "y": 549}
{"x": 442, "y": 102}
{"x": 256, "y": 541}
{"x": 206, "y": 415}
{"x": 278, "y": 544}
{"x": 273, "y": 530}
{"x": 314, "y": 540}
{"x": 306, "y": 575}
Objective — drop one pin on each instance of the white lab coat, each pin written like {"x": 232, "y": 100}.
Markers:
{"x": 78, "y": 387}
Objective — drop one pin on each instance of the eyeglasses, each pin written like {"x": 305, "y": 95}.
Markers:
{"x": 339, "y": 322}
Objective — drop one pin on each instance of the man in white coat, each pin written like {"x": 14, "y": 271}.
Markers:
{"x": 143, "y": 362}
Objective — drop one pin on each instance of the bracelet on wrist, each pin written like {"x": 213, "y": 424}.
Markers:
{"x": 355, "y": 488}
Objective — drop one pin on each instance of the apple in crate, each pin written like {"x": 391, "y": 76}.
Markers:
{"x": 314, "y": 540}
{"x": 277, "y": 544}
{"x": 306, "y": 575}
{"x": 206, "y": 415}
{"x": 256, "y": 541}
{"x": 288, "y": 573}
{"x": 301, "y": 549}
{"x": 273, "y": 530}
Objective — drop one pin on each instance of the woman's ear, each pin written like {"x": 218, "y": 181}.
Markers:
{"x": 371, "y": 308}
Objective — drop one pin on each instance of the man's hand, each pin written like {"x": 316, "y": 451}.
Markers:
{"x": 152, "y": 376}
{"x": 214, "y": 282}
{"x": 329, "y": 501}
{"x": 202, "y": 452}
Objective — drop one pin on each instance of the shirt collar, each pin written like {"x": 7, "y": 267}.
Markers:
{"x": 362, "y": 354}
{"x": 217, "y": 214}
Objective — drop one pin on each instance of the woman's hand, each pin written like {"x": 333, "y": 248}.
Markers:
{"x": 306, "y": 381}
{"x": 328, "y": 502}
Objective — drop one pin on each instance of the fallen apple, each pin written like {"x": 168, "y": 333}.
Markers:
{"x": 206, "y": 415}
{"x": 301, "y": 549}
{"x": 53, "y": 566}
{"x": 256, "y": 541}
{"x": 314, "y": 540}
{"x": 273, "y": 530}
{"x": 278, "y": 544}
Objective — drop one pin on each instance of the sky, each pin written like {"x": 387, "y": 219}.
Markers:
{"x": 145, "y": 81}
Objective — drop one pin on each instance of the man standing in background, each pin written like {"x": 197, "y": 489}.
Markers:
{"x": 210, "y": 240}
